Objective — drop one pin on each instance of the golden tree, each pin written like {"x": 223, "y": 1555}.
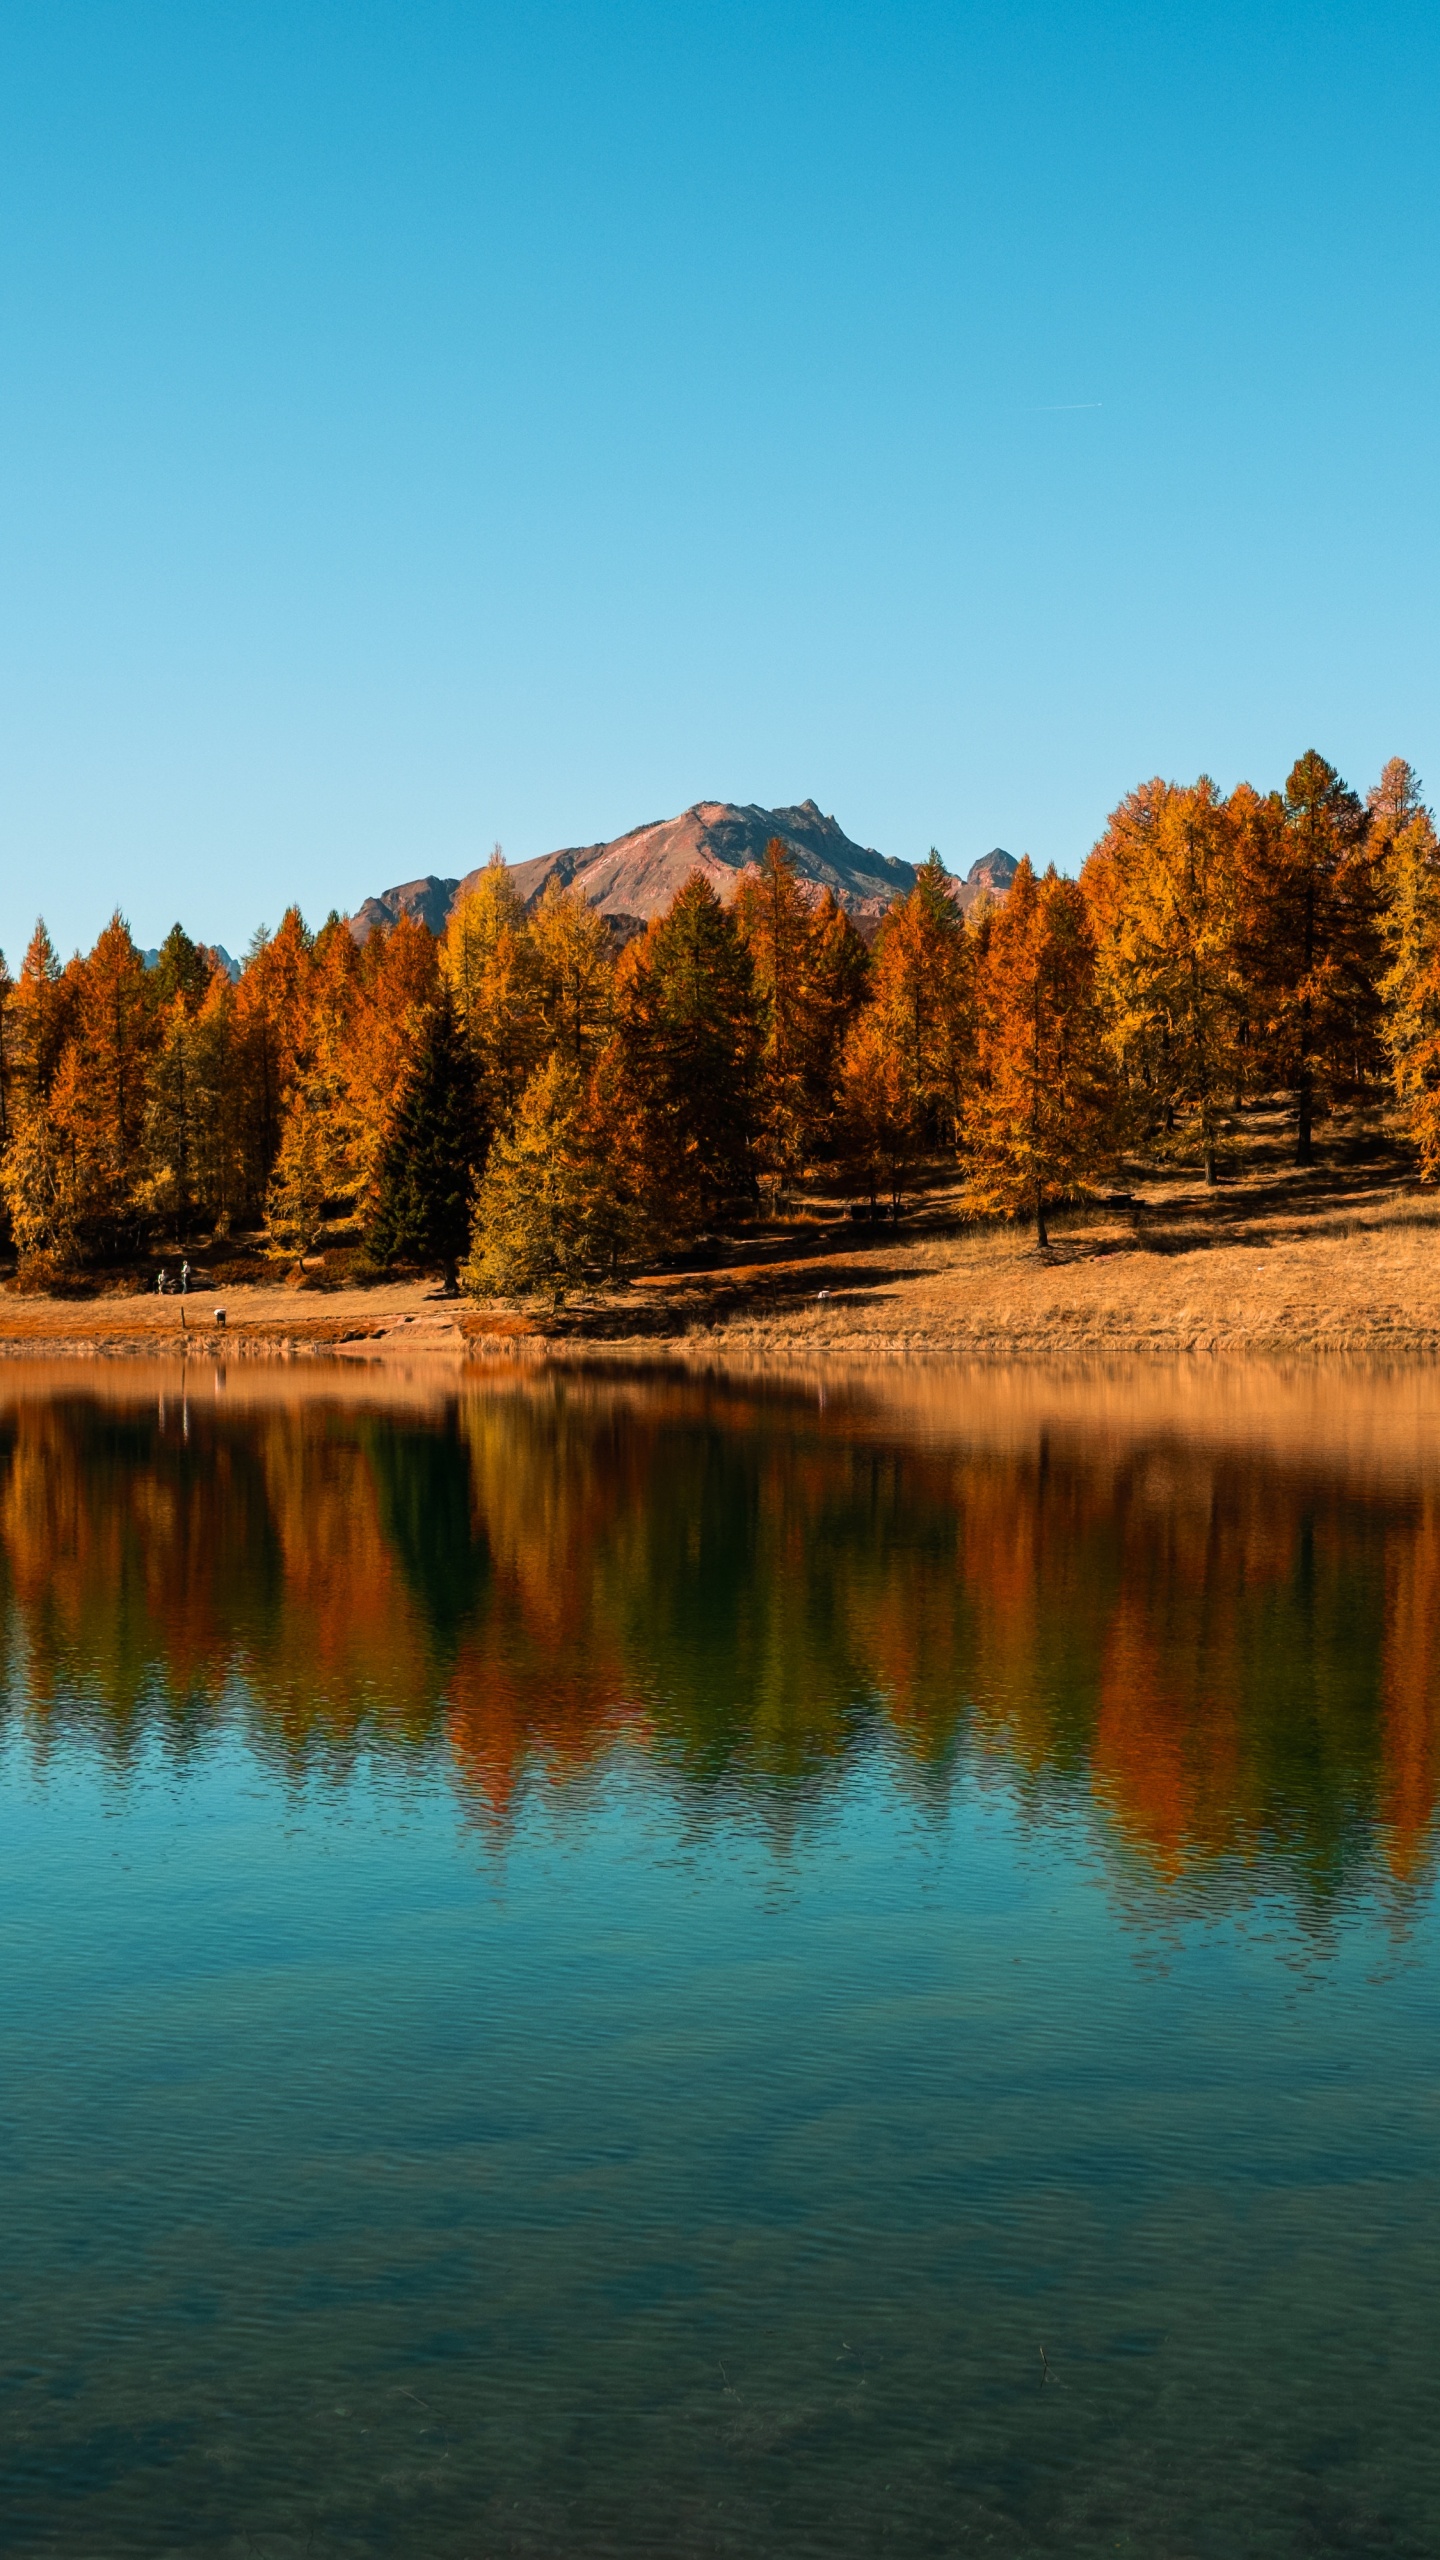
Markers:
{"x": 219, "y": 1128}
{"x": 908, "y": 1066}
{"x": 924, "y": 983}
{"x": 7, "y": 990}
{"x": 317, "y": 1159}
{"x": 879, "y": 1132}
{"x": 310, "y": 1171}
{"x": 386, "y": 1024}
{"x": 574, "y": 982}
{"x": 38, "y": 1020}
{"x": 1045, "y": 1128}
{"x": 271, "y": 1022}
{"x": 809, "y": 968}
{"x": 1163, "y": 890}
{"x": 552, "y": 1212}
{"x": 98, "y": 1099}
{"x": 189, "y": 1134}
{"x": 1408, "y": 857}
{"x": 43, "y": 1195}
{"x": 681, "y": 1097}
{"x": 477, "y": 923}
{"x": 1312, "y": 938}
{"x": 488, "y": 960}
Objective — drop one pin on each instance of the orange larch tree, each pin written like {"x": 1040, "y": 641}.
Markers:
{"x": 910, "y": 1065}
{"x": 1162, "y": 887}
{"x": 1407, "y": 853}
{"x": 489, "y": 961}
{"x": 574, "y": 959}
{"x": 809, "y": 970}
{"x": 271, "y": 1023}
{"x": 397, "y": 981}
{"x": 189, "y": 1133}
{"x": 879, "y": 1132}
{"x": 37, "y": 1023}
{"x": 75, "y": 1167}
{"x": 315, "y": 1163}
{"x": 1045, "y": 1127}
{"x": 686, "y": 1042}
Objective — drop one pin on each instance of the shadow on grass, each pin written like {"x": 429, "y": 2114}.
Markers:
{"x": 672, "y": 1303}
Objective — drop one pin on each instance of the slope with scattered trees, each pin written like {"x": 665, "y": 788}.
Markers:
{"x": 523, "y": 1103}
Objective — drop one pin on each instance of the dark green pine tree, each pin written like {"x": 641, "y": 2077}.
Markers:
{"x": 181, "y": 969}
{"x": 428, "y": 1170}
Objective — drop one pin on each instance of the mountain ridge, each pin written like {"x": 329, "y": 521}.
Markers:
{"x": 634, "y": 876}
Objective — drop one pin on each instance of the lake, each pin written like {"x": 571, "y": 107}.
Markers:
{"x": 726, "y": 1965}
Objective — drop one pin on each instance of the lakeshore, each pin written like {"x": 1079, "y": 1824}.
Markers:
{"x": 1342, "y": 1257}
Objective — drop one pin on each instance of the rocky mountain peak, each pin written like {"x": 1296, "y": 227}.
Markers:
{"x": 634, "y": 877}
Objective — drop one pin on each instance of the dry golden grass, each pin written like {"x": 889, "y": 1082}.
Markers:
{"x": 398, "y": 1314}
{"x": 1344, "y": 1258}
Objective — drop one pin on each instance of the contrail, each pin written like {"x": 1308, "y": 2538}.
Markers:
{"x": 1056, "y": 408}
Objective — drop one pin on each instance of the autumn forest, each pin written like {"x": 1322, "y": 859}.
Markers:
{"x": 526, "y": 1105}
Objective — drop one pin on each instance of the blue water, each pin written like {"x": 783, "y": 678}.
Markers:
{"x": 684, "y": 2158}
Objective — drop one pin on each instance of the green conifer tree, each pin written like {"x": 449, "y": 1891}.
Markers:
{"x": 553, "y": 1210}
{"x": 174, "y": 1117}
{"x": 427, "y": 1171}
{"x": 182, "y": 969}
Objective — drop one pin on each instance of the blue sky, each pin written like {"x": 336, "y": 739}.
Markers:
{"x": 426, "y": 425}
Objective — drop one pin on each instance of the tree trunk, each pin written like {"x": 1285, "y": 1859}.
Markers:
{"x": 1042, "y": 1232}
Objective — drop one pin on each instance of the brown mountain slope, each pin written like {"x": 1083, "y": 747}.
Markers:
{"x": 429, "y": 899}
{"x": 635, "y": 876}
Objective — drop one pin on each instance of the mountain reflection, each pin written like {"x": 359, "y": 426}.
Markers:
{"x": 1230, "y": 1651}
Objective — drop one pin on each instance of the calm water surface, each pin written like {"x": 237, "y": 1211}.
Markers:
{"x": 599, "y": 1968}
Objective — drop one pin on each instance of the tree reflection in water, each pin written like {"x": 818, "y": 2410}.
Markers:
{"x": 1228, "y": 1648}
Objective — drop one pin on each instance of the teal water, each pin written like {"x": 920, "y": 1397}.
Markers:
{"x": 634, "y": 1972}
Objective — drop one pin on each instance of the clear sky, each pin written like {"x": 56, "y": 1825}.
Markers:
{"x": 426, "y": 424}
